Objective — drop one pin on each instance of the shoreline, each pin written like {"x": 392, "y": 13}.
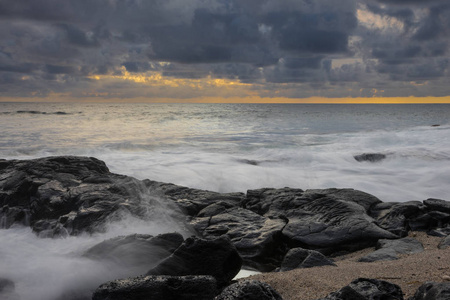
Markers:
{"x": 409, "y": 272}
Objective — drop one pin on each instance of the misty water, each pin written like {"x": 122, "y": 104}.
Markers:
{"x": 219, "y": 147}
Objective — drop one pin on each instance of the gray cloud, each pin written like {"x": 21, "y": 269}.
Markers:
{"x": 317, "y": 47}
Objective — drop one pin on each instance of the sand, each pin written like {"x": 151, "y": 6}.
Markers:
{"x": 409, "y": 272}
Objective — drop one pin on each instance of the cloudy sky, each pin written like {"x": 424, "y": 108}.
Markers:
{"x": 224, "y": 50}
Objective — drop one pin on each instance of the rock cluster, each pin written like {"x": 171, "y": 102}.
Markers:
{"x": 264, "y": 229}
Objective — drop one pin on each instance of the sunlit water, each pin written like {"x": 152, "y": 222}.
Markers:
{"x": 219, "y": 147}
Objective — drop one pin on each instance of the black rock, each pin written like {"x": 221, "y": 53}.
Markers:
{"x": 438, "y": 205}
{"x": 218, "y": 258}
{"x": 298, "y": 258}
{"x": 397, "y": 216}
{"x": 137, "y": 250}
{"x": 258, "y": 239}
{"x": 389, "y": 249}
{"x": 158, "y": 288}
{"x": 67, "y": 195}
{"x": 432, "y": 291}
{"x": 328, "y": 219}
{"x": 367, "y": 289}
{"x": 440, "y": 232}
{"x": 249, "y": 290}
{"x": 370, "y": 157}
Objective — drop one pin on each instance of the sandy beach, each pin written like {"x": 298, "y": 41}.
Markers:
{"x": 409, "y": 272}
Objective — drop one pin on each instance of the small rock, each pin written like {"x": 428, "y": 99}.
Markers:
{"x": 445, "y": 243}
{"x": 299, "y": 258}
{"x": 445, "y": 277}
{"x": 371, "y": 157}
{"x": 367, "y": 289}
{"x": 432, "y": 291}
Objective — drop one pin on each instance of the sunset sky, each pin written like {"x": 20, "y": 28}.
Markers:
{"x": 225, "y": 50}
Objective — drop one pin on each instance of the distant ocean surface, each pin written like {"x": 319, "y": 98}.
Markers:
{"x": 219, "y": 147}
{"x": 235, "y": 147}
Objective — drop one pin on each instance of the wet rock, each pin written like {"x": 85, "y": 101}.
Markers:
{"x": 395, "y": 216}
{"x": 389, "y": 249}
{"x": 437, "y": 205}
{"x": 218, "y": 258}
{"x": 249, "y": 290}
{"x": 440, "y": 232}
{"x": 68, "y": 195}
{"x": 299, "y": 258}
{"x": 258, "y": 239}
{"x": 445, "y": 243}
{"x": 367, "y": 289}
{"x": 432, "y": 291}
{"x": 370, "y": 157}
{"x": 328, "y": 220}
{"x": 137, "y": 250}
{"x": 158, "y": 288}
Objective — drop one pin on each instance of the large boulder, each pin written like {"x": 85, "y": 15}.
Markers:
{"x": 258, "y": 239}
{"x": 367, "y": 289}
{"x": 396, "y": 216}
{"x": 390, "y": 249}
{"x": 137, "y": 250}
{"x": 399, "y": 218}
{"x": 328, "y": 220}
{"x": 432, "y": 291}
{"x": 249, "y": 290}
{"x": 65, "y": 195}
{"x": 158, "y": 288}
{"x": 299, "y": 258}
{"x": 218, "y": 258}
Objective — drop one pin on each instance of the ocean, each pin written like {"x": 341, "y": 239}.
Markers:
{"x": 218, "y": 147}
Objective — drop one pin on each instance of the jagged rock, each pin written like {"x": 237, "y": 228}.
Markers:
{"x": 370, "y": 157}
{"x": 328, "y": 219}
{"x": 432, "y": 291}
{"x": 438, "y": 205}
{"x": 445, "y": 243}
{"x": 218, "y": 258}
{"x": 67, "y": 195}
{"x": 395, "y": 217}
{"x": 389, "y": 249}
{"x": 258, "y": 239}
{"x": 367, "y": 289}
{"x": 440, "y": 232}
{"x": 141, "y": 250}
{"x": 158, "y": 288}
{"x": 249, "y": 290}
{"x": 298, "y": 258}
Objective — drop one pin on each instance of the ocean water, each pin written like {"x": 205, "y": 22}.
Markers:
{"x": 219, "y": 147}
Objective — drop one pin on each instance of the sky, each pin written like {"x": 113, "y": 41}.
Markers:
{"x": 225, "y": 50}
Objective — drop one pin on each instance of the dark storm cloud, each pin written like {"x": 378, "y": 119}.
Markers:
{"x": 54, "y": 45}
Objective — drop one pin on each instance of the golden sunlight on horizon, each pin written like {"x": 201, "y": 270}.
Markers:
{"x": 55, "y": 98}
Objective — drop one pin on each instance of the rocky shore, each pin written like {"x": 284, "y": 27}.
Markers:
{"x": 280, "y": 232}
